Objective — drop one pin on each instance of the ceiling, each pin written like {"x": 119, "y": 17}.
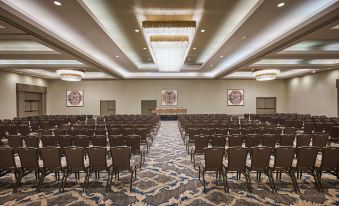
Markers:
{"x": 106, "y": 39}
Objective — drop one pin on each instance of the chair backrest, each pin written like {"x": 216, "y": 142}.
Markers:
{"x": 200, "y": 143}
{"x": 234, "y": 140}
{"x": 81, "y": 141}
{"x": 304, "y": 140}
{"x": 15, "y": 141}
{"x": 330, "y": 160}
{"x": 286, "y": 140}
{"x": 48, "y": 140}
{"x": 142, "y": 133}
{"x": 32, "y": 141}
{"x": 234, "y": 131}
{"x": 214, "y": 158}
{"x": 260, "y": 157}
{"x": 74, "y": 157}
{"x": 97, "y": 158}
{"x": 252, "y": 140}
{"x": 51, "y": 157}
{"x": 222, "y": 131}
{"x": 99, "y": 140}
{"x": 128, "y": 131}
{"x": 116, "y": 140}
{"x": 7, "y": 161}
{"x": 306, "y": 157}
{"x": 100, "y": 132}
{"x": 29, "y": 158}
{"x": 320, "y": 140}
{"x": 59, "y": 132}
{"x": 65, "y": 141}
{"x": 289, "y": 130}
{"x": 218, "y": 141}
{"x": 114, "y": 131}
{"x": 121, "y": 157}
{"x": 46, "y": 132}
{"x": 283, "y": 157}
{"x": 269, "y": 140}
{"x": 236, "y": 158}
{"x": 133, "y": 141}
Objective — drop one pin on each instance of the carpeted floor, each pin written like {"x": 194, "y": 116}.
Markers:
{"x": 168, "y": 178}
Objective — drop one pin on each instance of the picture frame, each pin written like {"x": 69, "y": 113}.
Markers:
{"x": 169, "y": 97}
{"x": 74, "y": 98}
{"x": 235, "y": 97}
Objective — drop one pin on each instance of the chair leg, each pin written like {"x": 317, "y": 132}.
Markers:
{"x": 88, "y": 173}
{"x": 203, "y": 180}
{"x": 199, "y": 172}
{"x": 270, "y": 177}
{"x": 226, "y": 182}
{"x": 223, "y": 179}
{"x": 248, "y": 180}
{"x": 18, "y": 182}
{"x": 107, "y": 181}
{"x": 294, "y": 181}
{"x": 64, "y": 178}
{"x": 42, "y": 177}
{"x": 319, "y": 182}
{"x": 316, "y": 182}
{"x": 130, "y": 187}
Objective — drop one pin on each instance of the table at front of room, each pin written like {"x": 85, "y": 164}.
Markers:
{"x": 169, "y": 113}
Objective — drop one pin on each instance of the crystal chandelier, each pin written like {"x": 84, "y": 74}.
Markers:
{"x": 70, "y": 75}
{"x": 266, "y": 74}
{"x": 169, "y": 42}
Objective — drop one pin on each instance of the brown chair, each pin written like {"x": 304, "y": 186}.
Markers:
{"x": 218, "y": 141}
{"x": 192, "y": 132}
{"x": 283, "y": 160}
{"x": 269, "y": 140}
{"x": 236, "y": 162}
{"x": 234, "y": 131}
{"x": 114, "y": 131}
{"x": 306, "y": 163}
{"x": 32, "y": 141}
{"x": 81, "y": 141}
{"x": 48, "y": 140}
{"x": 213, "y": 162}
{"x": 100, "y": 132}
{"x": 51, "y": 157}
{"x": 65, "y": 141}
{"x": 133, "y": 141}
{"x": 221, "y": 131}
{"x": 128, "y": 131}
{"x": 116, "y": 140}
{"x": 143, "y": 137}
{"x": 121, "y": 161}
{"x": 252, "y": 140}
{"x": 75, "y": 163}
{"x": 59, "y": 132}
{"x": 329, "y": 163}
{"x": 304, "y": 140}
{"x": 290, "y": 130}
{"x": 260, "y": 162}
{"x": 320, "y": 140}
{"x": 24, "y": 129}
{"x": 46, "y": 132}
{"x": 29, "y": 159}
{"x": 99, "y": 140}
{"x": 7, "y": 163}
{"x": 235, "y": 140}
{"x": 286, "y": 140}
{"x": 15, "y": 141}
{"x": 97, "y": 164}
{"x": 200, "y": 143}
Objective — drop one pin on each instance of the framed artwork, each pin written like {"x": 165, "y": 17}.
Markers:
{"x": 235, "y": 97}
{"x": 169, "y": 98}
{"x": 74, "y": 98}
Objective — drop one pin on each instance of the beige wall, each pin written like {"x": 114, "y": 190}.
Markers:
{"x": 198, "y": 96}
{"x": 8, "y": 91}
{"x": 314, "y": 94}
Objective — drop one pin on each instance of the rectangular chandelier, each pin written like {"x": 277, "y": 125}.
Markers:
{"x": 169, "y": 42}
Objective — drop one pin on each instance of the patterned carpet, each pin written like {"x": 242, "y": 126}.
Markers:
{"x": 168, "y": 178}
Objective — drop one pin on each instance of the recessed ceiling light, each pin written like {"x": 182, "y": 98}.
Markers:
{"x": 58, "y": 3}
{"x": 202, "y": 30}
{"x": 149, "y": 59}
{"x": 313, "y": 71}
{"x": 243, "y": 37}
{"x": 136, "y": 30}
{"x": 211, "y": 65}
{"x": 221, "y": 56}
{"x": 194, "y": 48}
{"x": 189, "y": 58}
{"x": 145, "y": 48}
{"x": 281, "y": 4}
{"x": 117, "y": 56}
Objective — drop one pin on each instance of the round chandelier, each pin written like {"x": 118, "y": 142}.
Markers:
{"x": 70, "y": 74}
{"x": 266, "y": 74}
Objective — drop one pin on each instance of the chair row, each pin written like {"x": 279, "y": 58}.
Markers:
{"x": 120, "y": 161}
{"x": 261, "y": 162}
